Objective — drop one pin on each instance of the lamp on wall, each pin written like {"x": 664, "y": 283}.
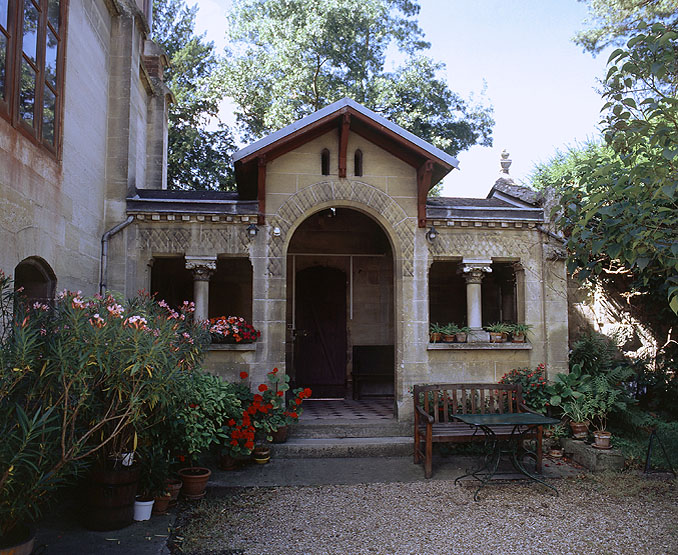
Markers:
{"x": 252, "y": 230}
{"x": 431, "y": 234}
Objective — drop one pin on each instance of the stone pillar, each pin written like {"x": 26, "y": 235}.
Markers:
{"x": 202, "y": 267}
{"x": 474, "y": 271}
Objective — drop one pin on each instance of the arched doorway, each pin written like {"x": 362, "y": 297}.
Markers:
{"x": 36, "y": 280}
{"x": 340, "y": 313}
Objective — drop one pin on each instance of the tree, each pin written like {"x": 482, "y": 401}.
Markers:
{"x": 198, "y": 157}
{"x": 612, "y": 22}
{"x": 619, "y": 201}
{"x": 290, "y": 58}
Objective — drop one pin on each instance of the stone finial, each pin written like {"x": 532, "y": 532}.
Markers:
{"x": 505, "y": 162}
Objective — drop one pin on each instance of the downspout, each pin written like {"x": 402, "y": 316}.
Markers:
{"x": 104, "y": 251}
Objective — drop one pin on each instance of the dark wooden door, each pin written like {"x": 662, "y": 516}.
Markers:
{"x": 320, "y": 331}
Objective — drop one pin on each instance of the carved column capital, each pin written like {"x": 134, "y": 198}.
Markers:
{"x": 474, "y": 270}
{"x": 202, "y": 267}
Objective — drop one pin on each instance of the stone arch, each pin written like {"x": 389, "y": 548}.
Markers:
{"x": 399, "y": 228}
{"x": 37, "y": 279}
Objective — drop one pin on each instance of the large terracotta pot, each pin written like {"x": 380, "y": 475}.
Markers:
{"x": 195, "y": 480}
{"x": 19, "y": 542}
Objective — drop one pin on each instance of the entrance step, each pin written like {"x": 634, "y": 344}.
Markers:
{"x": 343, "y": 428}
{"x": 341, "y": 447}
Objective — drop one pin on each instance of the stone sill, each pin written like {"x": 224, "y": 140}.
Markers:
{"x": 232, "y": 347}
{"x": 479, "y": 346}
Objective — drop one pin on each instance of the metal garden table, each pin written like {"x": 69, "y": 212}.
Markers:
{"x": 520, "y": 423}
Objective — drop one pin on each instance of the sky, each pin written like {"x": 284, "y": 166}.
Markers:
{"x": 519, "y": 52}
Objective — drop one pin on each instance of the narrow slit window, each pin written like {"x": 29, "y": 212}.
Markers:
{"x": 325, "y": 162}
{"x": 358, "y": 163}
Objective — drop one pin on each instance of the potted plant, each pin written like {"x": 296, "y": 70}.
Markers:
{"x": 436, "y": 332}
{"x": 519, "y": 332}
{"x": 498, "y": 332}
{"x": 580, "y": 411}
{"x": 232, "y": 329}
{"x": 449, "y": 332}
{"x": 462, "y": 334}
{"x": 77, "y": 377}
{"x": 606, "y": 396}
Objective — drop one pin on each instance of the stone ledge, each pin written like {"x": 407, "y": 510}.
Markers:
{"x": 232, "y": 347}
{"x": 478, "y": 346}
{"x": 595, "y": 460}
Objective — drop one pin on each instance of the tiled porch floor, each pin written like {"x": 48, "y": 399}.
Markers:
{"x": 332, "y": 409}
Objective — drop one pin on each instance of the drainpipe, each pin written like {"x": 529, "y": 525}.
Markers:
{"x": 104, "y": 251}
{"x": 552, "y": 235}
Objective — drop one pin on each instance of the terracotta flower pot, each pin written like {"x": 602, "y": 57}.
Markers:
{"x": 173, "y": 486}
{"x": 261, "y": 455}
{"x": 436, "y": 337}
{"x": 461, "y": 337}
{"x": 161, "y": 504}
{"x": 580, "y": 430}
{"x": 448, "y": 337}
{"x": 602, "y": 440}
{"x": 280, "y": 435}
{"x": 195, "y": 480}
{"x": 498, "y": 337}
{"x": 18, "y": 542}
{"x": 518, "y": 337}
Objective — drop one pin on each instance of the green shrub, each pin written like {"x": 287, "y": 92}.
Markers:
{"x": 534, "y": 386}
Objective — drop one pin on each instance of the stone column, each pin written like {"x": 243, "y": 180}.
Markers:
{"x": 202, "y": 267}
{"x": 474, "y": 270}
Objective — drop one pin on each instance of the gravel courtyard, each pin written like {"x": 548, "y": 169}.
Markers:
{"x": 608, "y": 514}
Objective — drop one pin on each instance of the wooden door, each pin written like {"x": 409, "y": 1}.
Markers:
{"x": 320, "y": 331}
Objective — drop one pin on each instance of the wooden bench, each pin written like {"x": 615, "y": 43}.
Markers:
{"x": 435, "y": 407}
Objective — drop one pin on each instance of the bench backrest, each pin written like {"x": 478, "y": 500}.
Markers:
{"x": 443, "y": 401}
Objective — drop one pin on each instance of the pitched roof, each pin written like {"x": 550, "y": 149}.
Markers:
{"x": 366, "y": 123}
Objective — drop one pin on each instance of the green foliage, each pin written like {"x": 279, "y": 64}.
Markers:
{"x": 534, "y": 386}
{"x": 262, "y": 412}
{"x": 618, "y": 202}
{"x": 198, "y": 157}
{"x": 435, "y": 327}
{"x": 610, "y": 21}
{"x": 593, "y": 352}
{"x": 80, "y": 380}
{"x": 289, "y": 58}
{"x": 499, "y": 327}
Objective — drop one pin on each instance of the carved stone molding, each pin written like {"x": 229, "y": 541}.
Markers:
{"x": 301, "y": 204}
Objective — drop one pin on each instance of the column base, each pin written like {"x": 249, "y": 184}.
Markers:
{"x": 478, "y": 335}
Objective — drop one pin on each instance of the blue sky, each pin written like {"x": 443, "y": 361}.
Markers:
{"x": 541, "y": 85}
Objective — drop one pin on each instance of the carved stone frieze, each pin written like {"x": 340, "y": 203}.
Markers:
{"x": 180, "y": 238}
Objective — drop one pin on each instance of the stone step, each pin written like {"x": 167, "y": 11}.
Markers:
{"x": 310, "y": 448}
{"x": 341, "y": 428}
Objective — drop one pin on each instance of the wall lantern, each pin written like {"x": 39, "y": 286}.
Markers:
{"x": 276, "y": 231}
{"x": 252, "y": 230}
{"x": 431, "y": 234}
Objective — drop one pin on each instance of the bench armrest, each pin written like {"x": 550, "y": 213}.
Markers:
{"x": 423, "y": 414}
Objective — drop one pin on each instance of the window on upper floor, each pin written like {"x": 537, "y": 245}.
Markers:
{"x": 325, "y": 162}
{"x": 31, "y": 67}
{"x": 358, "y": 163}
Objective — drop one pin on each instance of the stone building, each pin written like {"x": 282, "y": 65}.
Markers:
{"x": 330, "y": 246}
{"x": 82, "y": 125}
{"x": 334, "y": 251}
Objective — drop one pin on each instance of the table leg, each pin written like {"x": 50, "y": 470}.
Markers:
{"x": 516, "y": 440}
